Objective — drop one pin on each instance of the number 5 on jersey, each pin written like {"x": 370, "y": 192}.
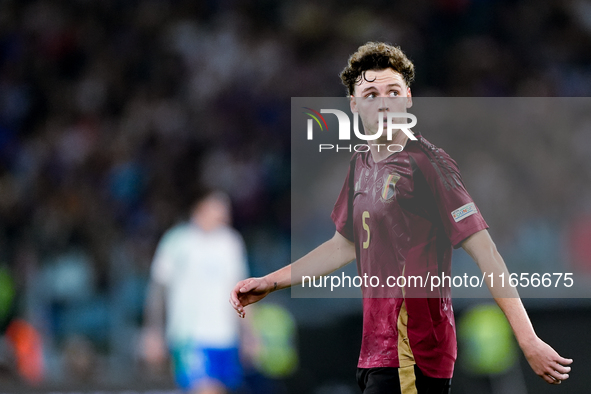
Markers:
{"x": 364, "y": 216}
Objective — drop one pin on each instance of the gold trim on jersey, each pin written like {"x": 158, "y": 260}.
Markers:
{"x": 405, "y": 355}
{"x": 407, "y": 378}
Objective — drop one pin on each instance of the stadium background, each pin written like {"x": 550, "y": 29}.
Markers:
{"x": 112, "y": 113}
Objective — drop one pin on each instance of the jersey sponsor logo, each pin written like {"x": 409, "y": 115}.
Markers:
{"x": 389, "y": 190}
{"x": 464, "y": 211}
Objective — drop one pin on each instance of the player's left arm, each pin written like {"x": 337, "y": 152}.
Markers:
{"x": 542, "y": 358}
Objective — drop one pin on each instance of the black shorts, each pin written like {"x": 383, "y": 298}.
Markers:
{"x": 408, "y": 380}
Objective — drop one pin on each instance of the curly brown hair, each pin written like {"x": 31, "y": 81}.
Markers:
{"x": 376, "y": 56}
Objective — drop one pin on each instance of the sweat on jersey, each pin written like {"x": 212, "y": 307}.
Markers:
{"x": 406, "y": 214}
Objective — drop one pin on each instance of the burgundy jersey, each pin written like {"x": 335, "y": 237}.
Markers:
{"x": 406, "y": 214}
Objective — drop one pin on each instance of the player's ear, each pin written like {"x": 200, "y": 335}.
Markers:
{"x": 409, "y": 98}
{"x": 353, "y": 103}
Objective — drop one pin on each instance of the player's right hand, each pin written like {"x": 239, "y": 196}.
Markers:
{"x": 153, "y": 347}
{"x": 249, "y": 291}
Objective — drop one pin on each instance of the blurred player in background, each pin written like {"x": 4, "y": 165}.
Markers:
{"x": 194, "y": 266}
{"x": 402, "y": 213}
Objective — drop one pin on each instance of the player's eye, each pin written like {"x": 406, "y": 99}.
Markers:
{"x": 394, "y": 93}
{"x": 371, "y": 96}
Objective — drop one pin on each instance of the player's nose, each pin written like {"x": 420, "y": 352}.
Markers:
{"x": 384, "y": 107}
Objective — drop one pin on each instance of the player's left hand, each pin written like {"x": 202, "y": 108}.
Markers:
{"x": 546, "y": 362}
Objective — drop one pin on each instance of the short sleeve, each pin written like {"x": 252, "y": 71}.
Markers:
{"x": 342, "y": 218}
{"x": 459, "y": 214}
{"x": 163, "y": 262}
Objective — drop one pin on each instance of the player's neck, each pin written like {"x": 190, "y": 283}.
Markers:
{"x": 207, "y": 225}
{"x": 381, "y": 149}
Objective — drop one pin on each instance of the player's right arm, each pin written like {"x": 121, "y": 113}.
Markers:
{"x": 153, "y": 345}
{"x": 326, "y": 258}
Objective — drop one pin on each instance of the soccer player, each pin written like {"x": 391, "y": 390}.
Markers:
{"x": 402, "y": 213}
{"x": 194, "y": 265}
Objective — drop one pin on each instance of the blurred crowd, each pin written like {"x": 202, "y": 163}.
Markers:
{"x": 113, "y": 113}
